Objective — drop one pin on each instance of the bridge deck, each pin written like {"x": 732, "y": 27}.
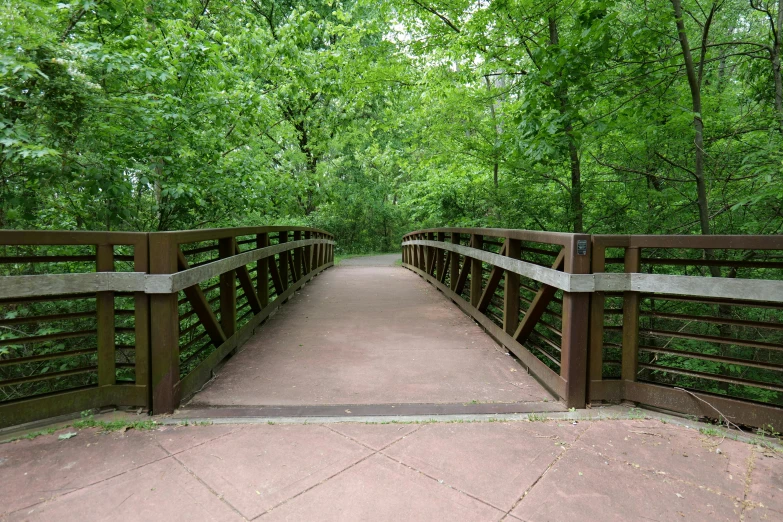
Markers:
{"x": 371, "y": 333}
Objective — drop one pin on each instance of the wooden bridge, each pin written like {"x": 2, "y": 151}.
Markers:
{"x": 689, "y": 324}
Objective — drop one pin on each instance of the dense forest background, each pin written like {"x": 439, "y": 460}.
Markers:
{"x": 372, "y": 118}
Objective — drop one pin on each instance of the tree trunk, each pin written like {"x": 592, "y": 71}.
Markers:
{"x": 777, "y": 48}
{"x": 698, "y": 124}
{"x": 577, "y": 205}
{"x": 496, "y": 145}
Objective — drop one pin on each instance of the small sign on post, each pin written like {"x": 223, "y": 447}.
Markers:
{"x": 581, "y": 247}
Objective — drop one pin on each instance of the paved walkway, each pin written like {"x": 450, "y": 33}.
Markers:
{"x": 368, "y": 333}
{"x": 487, "y": 471}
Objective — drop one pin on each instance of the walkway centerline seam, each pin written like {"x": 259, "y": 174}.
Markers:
{"x": 441, "y": 482}
{"x": 748, "y": 482}
{"x": 315, "y": 485}
{"x": 555, "y": 461}
{"x": 368, "y": 447}
{"x": 208, "y": 487}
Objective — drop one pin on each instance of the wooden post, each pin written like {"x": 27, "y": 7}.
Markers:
{"x": 319, "y": 249}
{"x": 476, "y": 276}
{"x": 454, "y": 270}
{"x": 262, "y": 271}
{"x": 298, "y": 257}
{"x": 104, "y": 301}
{"x": 440, "y": 263}
{"x": 511, "y": 289}
{"x": 631, "y": 319}
{"x": 141, "y": 319}
{"x": 228, "y": 289}
{"x": 314, "y": 252}
{"x": 573, "y": 358}
{"x": 164, "y": 328}
{"x": 428, "y": 254}
{"x": 308, "y": 254}
{"x": 597, "y": 305}
{"x": 283, "y": 260}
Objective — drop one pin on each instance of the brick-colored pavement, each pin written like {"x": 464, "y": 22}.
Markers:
{"x": 535, "y": 471}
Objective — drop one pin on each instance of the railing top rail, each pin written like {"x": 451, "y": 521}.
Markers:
{"x": 556, "y": 238}
{"x": 730, "y": 242}
{"x": 206, "y": 234}
{"x": 67, "y": 237}
{"x": 20, "y": 286}
{"x": 763, "y": 290}
{"x": 82, "y": 237}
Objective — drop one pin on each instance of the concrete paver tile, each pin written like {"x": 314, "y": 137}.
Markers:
{"x": 379, "y": 489}
{"x": 495, "y": 462}
{"x": 176, "y": 439}
{"x": 36, "y": 470}
{"x": 260, "y": 466}
{"x": 376, "y": 436}
{"x": 162, "y": 490}
{"x": 760, "y": 514}
{"x": 679, "y": 452}
{"x": 584, "y": 486}
{"x": 766, "y": 486}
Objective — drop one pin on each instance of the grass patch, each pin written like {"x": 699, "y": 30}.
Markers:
{"x": 116, "y": 425}
{"x": 34, "y": 434}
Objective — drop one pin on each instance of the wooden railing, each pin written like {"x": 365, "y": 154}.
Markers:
{"x": 515, "y": 283}
{"x": 93, "y": 319}
{"x": 699, "y": 330}
{"x": 690, "y": 324}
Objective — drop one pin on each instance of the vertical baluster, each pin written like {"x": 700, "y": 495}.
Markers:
{"x": 511, "y": 289}
{"x": 631, "y": 319}
{"x": 228, "y": 289}
{"x": 262, "y": 271}
{"x": 298, "y": 257}
{"x": 283, "y": 260}
{"x": 308, "y": 253}
{"x": 476, "y": 276}
{"x": 141, "y": 319}
{"x": 454, "y": 270}
{"x": 104, "y": 301}
{"x": 441, "y": 255}
{"x": 597, "y": 305}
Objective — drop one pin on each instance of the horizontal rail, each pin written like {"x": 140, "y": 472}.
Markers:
{"x": 717, "y": 242}
{"x": 165, "y": 284}
{"x": 55, "y": 284}
{"x": 557, "y": 238}
{"x": 761, "y": 290}
{"x": 539, "y": 273}
{"x": 712, "y": 358}
{"x": 209, "y": 234}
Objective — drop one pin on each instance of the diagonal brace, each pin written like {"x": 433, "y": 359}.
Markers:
{"x": 247, "y": 286}
{"x": 492, "y": 284}
{"x": 538, "y": 306}
{"x": 200, "y": 305}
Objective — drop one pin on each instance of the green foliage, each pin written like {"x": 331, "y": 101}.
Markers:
{"x": 116, "y": 425}
{"x": 372, "y": 119}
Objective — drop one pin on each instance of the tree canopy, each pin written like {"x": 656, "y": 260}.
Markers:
{"x": 373, "y": 118}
